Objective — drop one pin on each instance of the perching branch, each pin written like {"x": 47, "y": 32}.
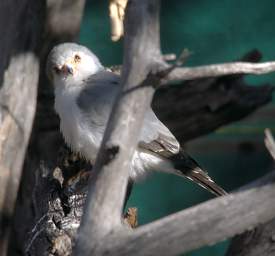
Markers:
{"x": 201, "y": 225}
{"x": 102, "y": 214}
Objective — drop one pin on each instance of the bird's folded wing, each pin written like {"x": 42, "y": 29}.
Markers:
{"x": 162, "y": 146}
{"x": 156, "y": 137}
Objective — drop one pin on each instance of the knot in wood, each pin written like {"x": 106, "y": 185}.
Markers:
{"x": 110, "y": 153}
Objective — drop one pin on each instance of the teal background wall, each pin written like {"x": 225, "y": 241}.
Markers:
{"x": 215, "y": 31}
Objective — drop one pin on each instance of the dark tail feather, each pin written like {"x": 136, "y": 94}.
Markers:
{"x": 189, "y": 168}
{"x": 201, "y": 178}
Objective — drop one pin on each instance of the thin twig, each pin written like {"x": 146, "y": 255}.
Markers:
{"x": 269, "y": 142}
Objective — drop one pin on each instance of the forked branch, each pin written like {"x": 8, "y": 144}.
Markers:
{"x": 102, "y": 214}
{"x": 101, "y": 231}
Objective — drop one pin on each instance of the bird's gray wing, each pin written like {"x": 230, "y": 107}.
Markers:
{"x": 96, "y": 99}
{"x": 97, "y": 96}
{"x": 156, "y": 137}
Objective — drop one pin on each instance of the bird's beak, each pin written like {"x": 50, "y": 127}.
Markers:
{"x": 67, "y": 69}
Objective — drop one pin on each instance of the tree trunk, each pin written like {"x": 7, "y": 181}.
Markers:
{"x": 59, "y": 21}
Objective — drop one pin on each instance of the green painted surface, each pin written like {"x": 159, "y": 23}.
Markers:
{"x": 215, "y": 31}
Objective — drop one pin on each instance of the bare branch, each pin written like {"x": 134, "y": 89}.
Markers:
{"x": 102, "y": 214}
{"x": 269, "y": 142}
{"x": 215, "y": 70}
{"x": 17, "y": 109}
{"x": 19, "y": 70}
{"x": 116, "y": 13}
{"x": 205, "y": 224}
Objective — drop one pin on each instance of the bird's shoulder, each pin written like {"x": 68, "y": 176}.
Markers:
{"x": 98, "y": 90}
{"x": 156, "y": 137}
{"x": 103, "y": 77}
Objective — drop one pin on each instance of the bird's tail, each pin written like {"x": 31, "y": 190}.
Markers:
{"x": 187, "y": 167}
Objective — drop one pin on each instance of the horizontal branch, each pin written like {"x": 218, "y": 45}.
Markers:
{"x": 205, "y": 224}
{"x": 215, "y": 70}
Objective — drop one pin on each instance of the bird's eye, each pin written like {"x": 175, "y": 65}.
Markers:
{"x": 77, "y": 58}
{"x": 56, "y": 69}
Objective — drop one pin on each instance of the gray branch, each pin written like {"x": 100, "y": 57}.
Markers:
{"x": 209, "y": 103}
{"x": 269, "y": 143}
{"x": 102, "y": 214}
{"x": 19, "y": 69}
{"x": 202, "y": 225}
{"x": 179, "y": 74}
{"x": 40, "y": 25}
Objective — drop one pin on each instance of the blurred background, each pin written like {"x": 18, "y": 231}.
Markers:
{"x": 216, "y": 32}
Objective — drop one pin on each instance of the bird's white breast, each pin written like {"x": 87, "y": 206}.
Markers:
{"x": 73, "y": 125}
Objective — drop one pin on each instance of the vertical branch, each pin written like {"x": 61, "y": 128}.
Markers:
{"x": 102, "y": 214}
{"x": 19, "y": 69}
{"x": 61, "y": 21}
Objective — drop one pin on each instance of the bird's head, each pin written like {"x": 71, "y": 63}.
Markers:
{"x": 70, "y": 63}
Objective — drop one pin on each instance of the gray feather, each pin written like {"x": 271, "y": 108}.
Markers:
{"x": 97, "y": 98}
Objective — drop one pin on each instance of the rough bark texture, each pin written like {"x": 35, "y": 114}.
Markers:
{"x": 60, "y": 22}
{"x": 201, "y": 225}
{"x": 103, "y": 210}
{"x": 19, "y": 68}
{"x": 259, "y": 241}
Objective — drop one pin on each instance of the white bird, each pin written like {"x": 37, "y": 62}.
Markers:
{"x": 84, "y": 95}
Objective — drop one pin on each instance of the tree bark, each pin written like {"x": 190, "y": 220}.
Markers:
{"x": 259, "y": 241}
{"x": 59, "y": 22}
{"x": 201, "y": 225}
{"x": 19, "y": 68}
{"x": 103, "y": 211}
